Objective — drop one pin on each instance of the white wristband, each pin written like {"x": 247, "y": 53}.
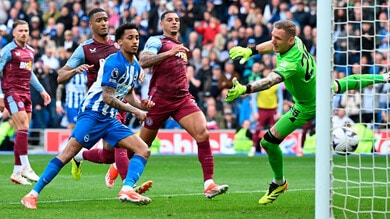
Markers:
{"x": 1, "y": 95}
{"x": 58, "y": 103}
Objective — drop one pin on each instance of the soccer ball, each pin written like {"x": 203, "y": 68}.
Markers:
{"x": 345, "y": 140}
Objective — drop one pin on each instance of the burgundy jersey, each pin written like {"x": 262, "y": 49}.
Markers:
{"x": 169, "y": 76}
{"x": 90, "y": 52}
{"x": 16, "y": 63}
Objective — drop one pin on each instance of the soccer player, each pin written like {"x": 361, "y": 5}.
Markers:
{"x": 169, "y": 90}
{"x": 297, "y": 68}
{"x": 116, "y": 79}
{"x": 86, "y": 58}
{"x": 16, "y": 65}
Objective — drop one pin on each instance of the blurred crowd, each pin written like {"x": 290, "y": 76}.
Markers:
{"x": 209, "y": 28}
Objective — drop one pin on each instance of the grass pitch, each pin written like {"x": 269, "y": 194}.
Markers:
{"x": 177, "y": 191}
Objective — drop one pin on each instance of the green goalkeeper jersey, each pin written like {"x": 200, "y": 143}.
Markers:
{"x": 298, "y": 68}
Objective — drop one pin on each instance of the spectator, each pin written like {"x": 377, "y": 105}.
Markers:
{"x": 214, "y": 117}
{"x": 192, "y": 42}
{"x": 69, "y": 42}
{"x": 155, "y": 17}
{"x": 51, "y": 27}
{"x": 196, "y": 59}
{"x": 140, "y": 6}
{"x": 225, "y": 80}
{"x": 125, "y": 17}
{"x": 208, "y": 29}
{"x": 191, "y": 14}
{"x": 59, "y": 38}
{"x": 301, "y": 15}
{"x": 52, "y": 12}
{"x": 84, "y": 27}
{"x": 50, "y": 59}
{"x": 242, "y": 142}
{"x": 221, "y": 38}
{"x": 229, "y": 118}
{"x": 351, "y": 101}
{"x": 5, "y": 5}
{"x": 65, "y": 18}
{"x": 340, "y": 118}
{"x": 3, "y": 36}
{"x": 193, "y": 82}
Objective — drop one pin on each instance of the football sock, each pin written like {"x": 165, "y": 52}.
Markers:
{"x": 357, "y": 82}
{"x": 18, "y": 169}
{"x": 121, "y": 161}
{"x": 135, "y": 169}
{"x": 275, "y": 158}
{"x": 206, "y": 159}
{"x": 279, "y": 181}
{"x": 207, "y": 183}
{"x": 21, "y": 145}
{"x": 99, "y": 156}
{"x": 25, "y": 162}
{"x": 51, "y": 170}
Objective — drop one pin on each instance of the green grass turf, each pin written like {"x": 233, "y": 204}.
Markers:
{"x": 177, "y": 190}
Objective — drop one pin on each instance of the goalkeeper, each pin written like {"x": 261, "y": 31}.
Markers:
{"x": 297, "y": 69}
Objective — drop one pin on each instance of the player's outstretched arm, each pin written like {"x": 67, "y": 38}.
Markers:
{"x": 66, "y": 72}
{"x": 256, "y": 86}
{"x": 148, "y": 59}
{"x": 246, "y": 53}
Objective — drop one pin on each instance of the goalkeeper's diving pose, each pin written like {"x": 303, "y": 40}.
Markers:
{"x": 297, "y": 69}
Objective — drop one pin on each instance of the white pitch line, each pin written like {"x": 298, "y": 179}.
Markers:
{"x": 178, "y": 195}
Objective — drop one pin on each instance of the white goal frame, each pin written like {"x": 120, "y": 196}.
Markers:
{"x": 324, "y": 98}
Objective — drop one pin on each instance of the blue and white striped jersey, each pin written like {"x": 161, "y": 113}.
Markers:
{"x": 76, "y": 89}
{"x": 115, "y": 71}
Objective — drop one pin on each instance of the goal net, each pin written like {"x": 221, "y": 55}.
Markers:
{"x": 360, "y": 185}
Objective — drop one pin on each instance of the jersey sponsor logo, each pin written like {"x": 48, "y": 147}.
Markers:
{"x": 92, "y": 50}
{"x": 26, "y": 65}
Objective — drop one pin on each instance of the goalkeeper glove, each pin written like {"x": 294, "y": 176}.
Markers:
{"x": 234, "y": 92}
{"x": 242, "y": 52}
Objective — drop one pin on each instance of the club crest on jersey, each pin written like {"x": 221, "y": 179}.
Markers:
{"x": 86, "y": 138}
{"x": 20, "y": 104}
{"x": 92, "y": 50}
{"x": 182, "y": 55}
{"x": 115, "y": 73}
{"x": 149, "y": 121}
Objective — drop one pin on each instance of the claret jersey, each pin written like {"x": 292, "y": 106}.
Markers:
{"x": 16, "y": 63}
{"x": 91, "y": 52}
{"x": 169, "y": 76}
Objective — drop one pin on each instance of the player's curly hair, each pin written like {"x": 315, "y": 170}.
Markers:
{"x": 121, "y": 30}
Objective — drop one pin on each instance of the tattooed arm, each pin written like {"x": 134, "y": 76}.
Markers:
{"x": 148, "y": 59}
{"x": 110, "y": 99}
{"x": 267, "y": 82}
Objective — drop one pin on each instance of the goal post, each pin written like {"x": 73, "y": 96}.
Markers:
{"x": 353, "y": 37}
{"x": 323, "y": 111}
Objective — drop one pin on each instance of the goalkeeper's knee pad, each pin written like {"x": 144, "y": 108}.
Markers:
{"x": 269, "y": 140}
